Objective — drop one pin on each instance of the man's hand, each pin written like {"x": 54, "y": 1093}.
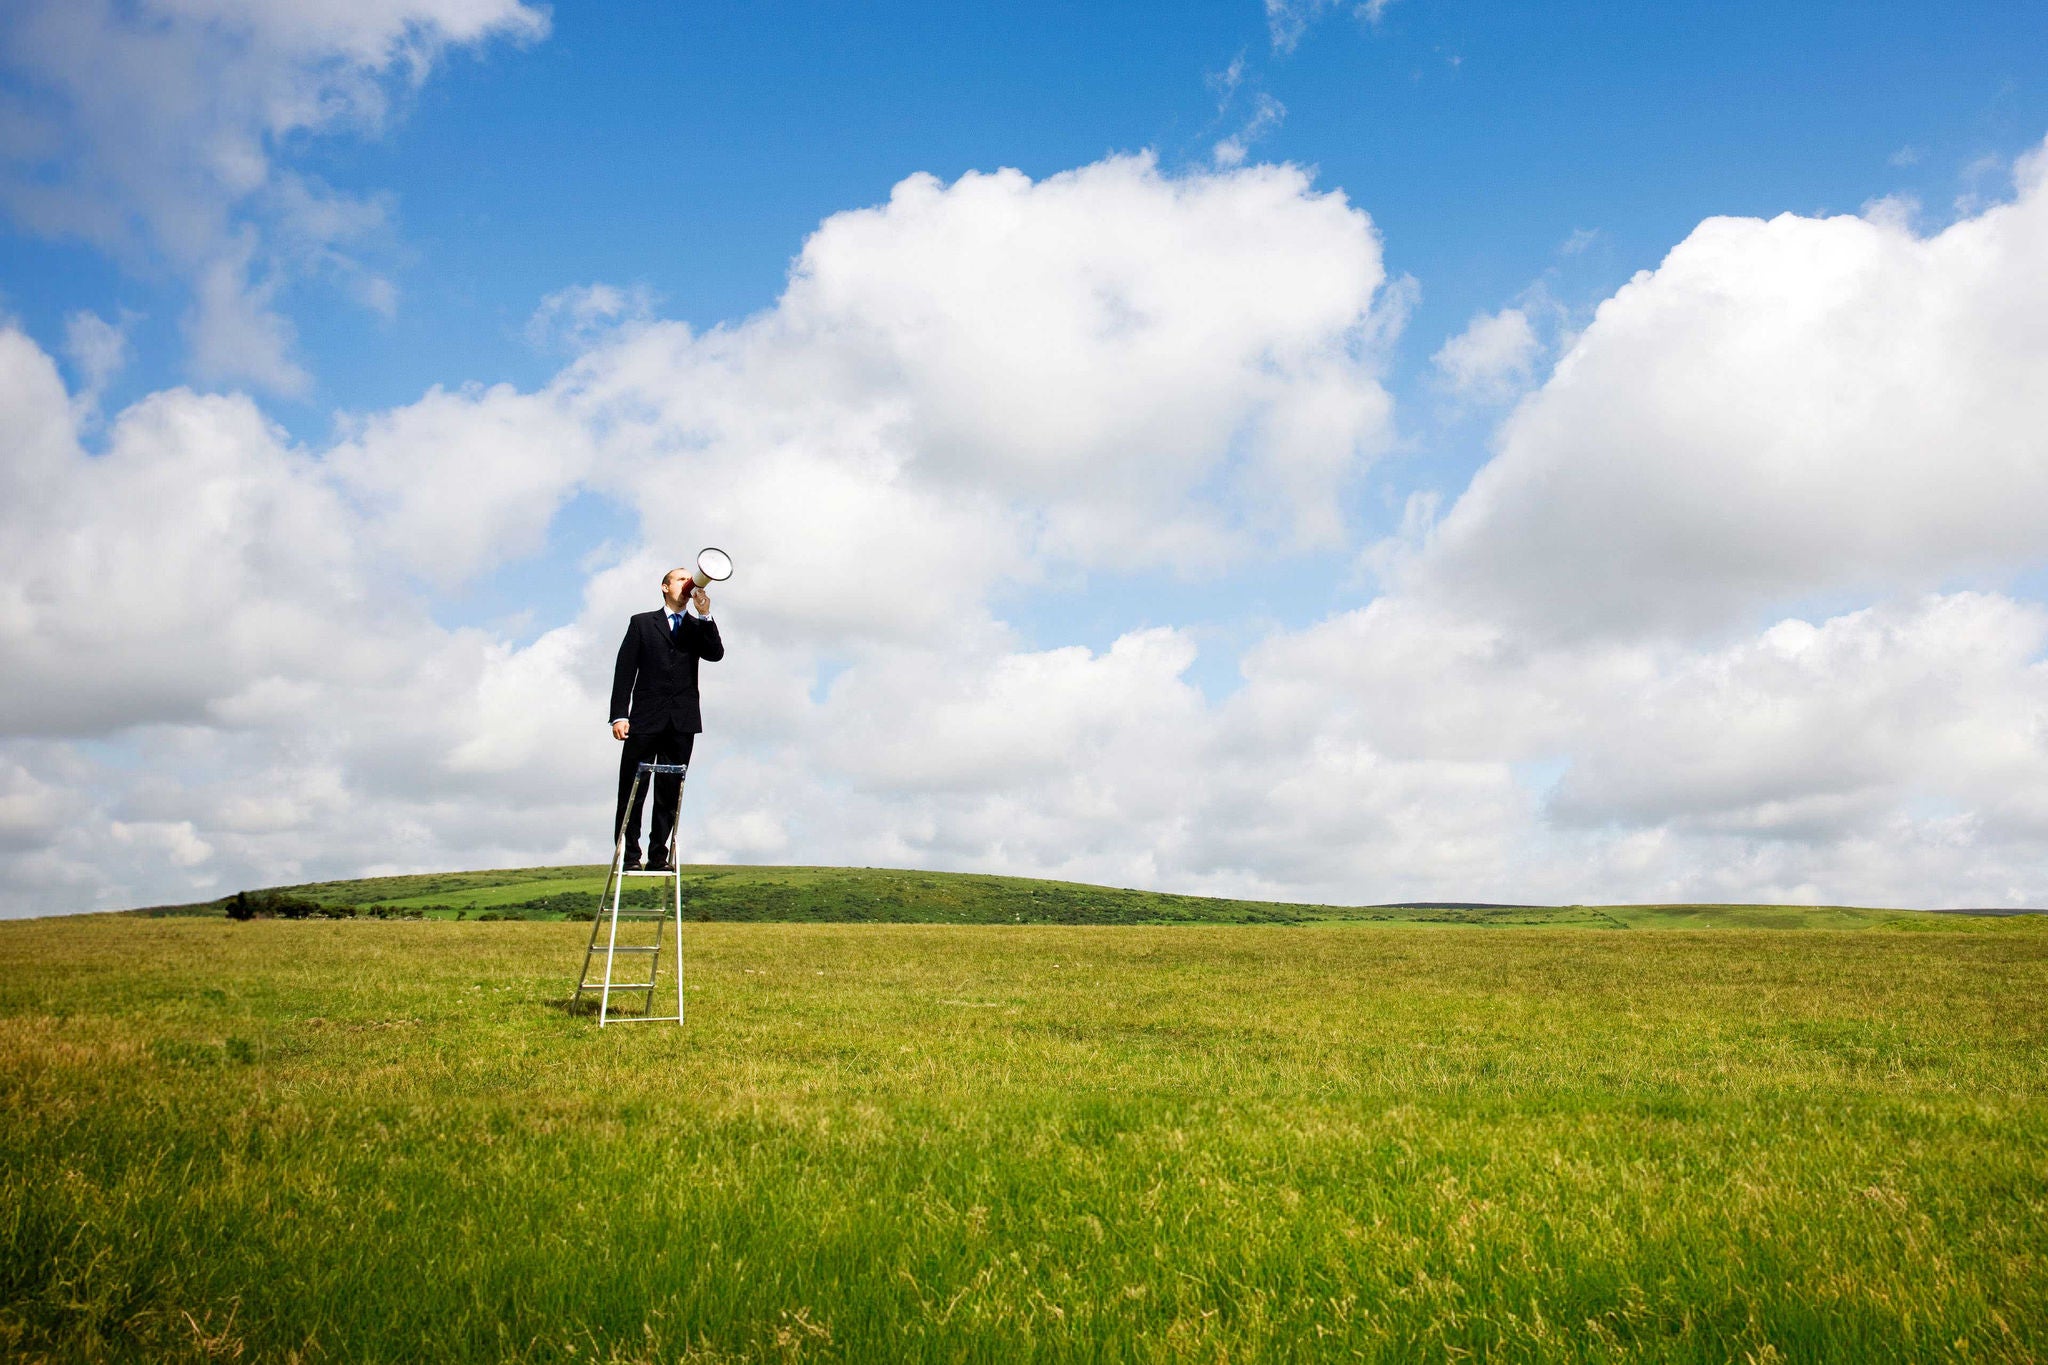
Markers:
{"x": 703, "y": 601}
{"x": 619, "y": 728}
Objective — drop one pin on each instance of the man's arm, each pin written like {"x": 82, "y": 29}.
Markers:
{"x": 704, "y": 639}
{"x": 624, "y": 673}
{"x": 703, "y": 630}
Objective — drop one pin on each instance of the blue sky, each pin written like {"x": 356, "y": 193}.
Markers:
{"x": 1519, "y": 165}
{"x": 692, "y": 148}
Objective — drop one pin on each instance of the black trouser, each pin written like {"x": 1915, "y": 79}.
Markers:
{"x": 660, "y": 746}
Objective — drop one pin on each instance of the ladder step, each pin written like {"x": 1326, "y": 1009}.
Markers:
{"x": 633, "y": 948}
{"x": 642, "y": 872}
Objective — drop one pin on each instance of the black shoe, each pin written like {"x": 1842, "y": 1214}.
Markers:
{"x": 660, "y": 865}
{"x": 631, "y": 865}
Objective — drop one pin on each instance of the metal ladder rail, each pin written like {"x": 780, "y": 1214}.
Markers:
{"x": 608, "y": 904}
{"x": 674, "y": 911}
{"x": 614, "y": 894}
{"x": 674, "y": 914}
{"x": 613, "y": 911}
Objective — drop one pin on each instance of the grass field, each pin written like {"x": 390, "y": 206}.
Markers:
{"x": 390, "y": 1141}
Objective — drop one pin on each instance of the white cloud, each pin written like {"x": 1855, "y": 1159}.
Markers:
{"x": 1893, "y": 210}
{"x": 458, "y": 483}
{"x": 1492, "y": 359}
{"x": 1769, "y": 767}
{"x": 1780, "y": 409}
{"x": 1109, "y": 368}
{"x": 34, "y": 812}
{"x": 153, "y": 130}
{"x": 965, "y": 393}
{"x": 233, "y": 330}
{"x": 1815, "y": 729}
{"x": 937, "y": 722}
{"x": 1112, "y": 338}
{"x": 174, "y": 840}
{"x": 194, "y": 557}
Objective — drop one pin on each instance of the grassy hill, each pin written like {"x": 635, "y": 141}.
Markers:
{"x": 882, "y": 895}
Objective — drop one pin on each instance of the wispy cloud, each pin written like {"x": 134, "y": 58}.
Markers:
{"x": 156, "y": 130}
{"x": 1223, "y": 84}
{"x": 1492, "y": 358}
{"x": 579, "y": 316}
{"x": 97, "y": 350}
{"x": 1267, "y": 114}
{"x": 1580, "y": 240}
{"x": 1288, "y": 20}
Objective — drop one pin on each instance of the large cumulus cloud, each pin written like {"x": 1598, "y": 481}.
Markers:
{"x": 1780, "y": 410}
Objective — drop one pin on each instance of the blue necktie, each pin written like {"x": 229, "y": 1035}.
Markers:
{"x": 675, "y": 625}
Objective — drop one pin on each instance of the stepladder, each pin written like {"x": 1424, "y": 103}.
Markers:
{"x": 622, "y": 966}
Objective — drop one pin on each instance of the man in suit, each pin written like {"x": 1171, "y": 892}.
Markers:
{"x": 654, "y": 706}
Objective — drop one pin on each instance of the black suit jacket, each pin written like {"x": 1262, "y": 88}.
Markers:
{"x": 655, "y": 683}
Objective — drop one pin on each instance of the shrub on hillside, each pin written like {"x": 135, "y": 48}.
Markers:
{"x": 248, "y": 905}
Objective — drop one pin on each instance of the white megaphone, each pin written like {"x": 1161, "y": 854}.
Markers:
{"x": 713, "y": 566}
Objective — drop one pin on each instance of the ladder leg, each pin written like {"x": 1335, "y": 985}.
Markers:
{"x": 590, "y": 948}
{"x": 676, "y": 863}
{"x": 597, "y": 921}
{"x": 612, "y": 881}
{"x": 604, "y": 1002}
{"x": 653, "y": 968}
{"x": 675, "y": 835}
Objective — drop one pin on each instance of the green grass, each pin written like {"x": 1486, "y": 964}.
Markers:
{"x": 848, "y": 895}
{"x": 388, "y": 1141}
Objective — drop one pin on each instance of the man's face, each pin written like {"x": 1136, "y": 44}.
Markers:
{"x": 676, "y": 586}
